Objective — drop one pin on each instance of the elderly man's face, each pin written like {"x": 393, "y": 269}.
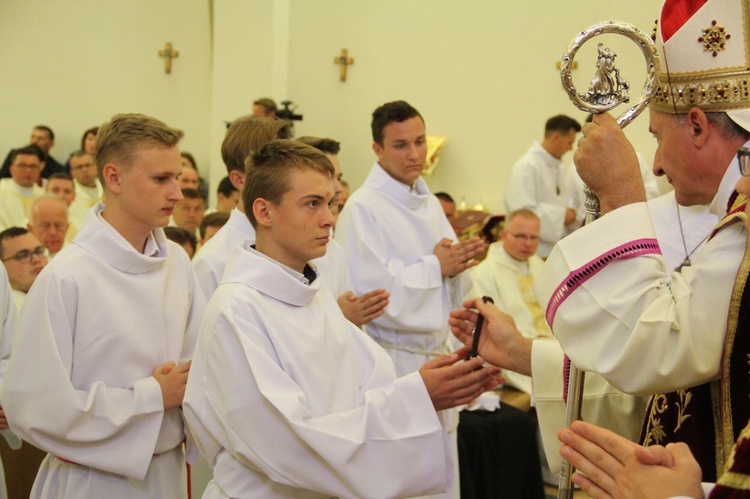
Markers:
{"x": 49, "y": 223}
{"x": 676, "y": 158}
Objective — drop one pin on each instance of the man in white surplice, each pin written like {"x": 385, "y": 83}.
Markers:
{"x": 396, "y": 237}
{"x": 102, "y": 344}
{"x": 319, "y": 411}
{"x": 19, "y": 191}
{"x": 539, "y": 182}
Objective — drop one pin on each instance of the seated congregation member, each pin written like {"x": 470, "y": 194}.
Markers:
{"x": 62, "y": 186}
{"x": 24, "y": 257}
{"x": 98, "y": 376}
{"x": 182, "y": 237}
{"x": 507, "y": 275}
{"x": 48, "y": 221}
{"x": 227, "y": 197}
{"x": 320, "y": 407}
{"x": 18, "y": 191}
{"x": 188, "y": 212}
{"x": 88, "y": 144}
{"x": 210, "y": 225}
{"x": 191, "y": 177}
{"x": 43, "y": 137}
{"x": 88, "y": 187}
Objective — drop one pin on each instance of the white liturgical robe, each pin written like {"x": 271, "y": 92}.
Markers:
{"x": 286, "y": 398}
{"x": 389, "y": 233}
{"x": 540, "y": 183}
{"x": 99, "y": 318}
{"x": 7, "y": 314}
{"x": 604, "y": 404}
{"x": 15, "y": 202}
{"x": 211, "y": 259}
{"x": 616, "y": 311}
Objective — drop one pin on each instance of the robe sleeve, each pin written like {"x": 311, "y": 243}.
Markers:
{"x": 208, "y": 277}
{"x": 7, "y": 317}
{"x": 417, "y": 301}
{"x": 107, "y": 428}
{"x": 603, "y": 404}
{"x": 389, "y": 445}
{"x": 616, "y": 313}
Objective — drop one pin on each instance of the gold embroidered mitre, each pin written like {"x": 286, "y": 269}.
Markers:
{"x": 705, "y": 57}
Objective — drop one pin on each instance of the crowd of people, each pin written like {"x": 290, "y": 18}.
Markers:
{"x": 141, "y": 330}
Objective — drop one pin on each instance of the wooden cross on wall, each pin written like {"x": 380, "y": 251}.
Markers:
{"x": 343, "y": 61}
{"x": 168, "y": 54}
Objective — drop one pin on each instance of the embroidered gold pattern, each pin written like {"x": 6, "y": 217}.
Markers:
{"x": 685, "y": 398}
{"x": 714, "y": 39}
{"x": 721, "y": 389}
{"x": 655, "y": 431}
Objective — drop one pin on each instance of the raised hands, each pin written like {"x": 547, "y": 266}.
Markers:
{"x": 363, "y": 308}
{"x": 607, "y": 163}
{"x": 451, "y": 382}
{"x": 455, "y": 258}
{"x": 610, "y": 466}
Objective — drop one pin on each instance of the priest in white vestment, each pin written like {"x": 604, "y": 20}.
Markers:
{"x": 19, "y": 191}
{"x": 88, "y": 189}
{"x": 396, "y": 237}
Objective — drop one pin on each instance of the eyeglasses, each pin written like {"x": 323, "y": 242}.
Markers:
{"x": 85, "y": 166}
{"x": 25, "y": 256}
{"x": 24, "y": 166}
{"x": 743, "y": 156}
{"x": 525, "y": 237}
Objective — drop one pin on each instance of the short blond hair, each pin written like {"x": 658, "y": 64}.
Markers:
{"x": 246, "y": 135}
{"x": 119, "y": 139}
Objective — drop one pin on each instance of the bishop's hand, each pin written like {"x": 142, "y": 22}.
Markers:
{"x": 608, "y": 164}
{"x": 500, "y": 342}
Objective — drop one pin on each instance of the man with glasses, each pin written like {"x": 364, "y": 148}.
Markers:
{"x": 24, "y": 256}
{"x": 507, "y": 275}
{"x": 88, "y": 188}
{"x": 18, "y": 192}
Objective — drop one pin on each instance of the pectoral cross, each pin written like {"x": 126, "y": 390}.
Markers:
{"x": 343, "y": 61}
{"x": 168, "y": 54}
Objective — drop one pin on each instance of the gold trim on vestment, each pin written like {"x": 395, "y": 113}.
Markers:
{"x": 720, "y": 389}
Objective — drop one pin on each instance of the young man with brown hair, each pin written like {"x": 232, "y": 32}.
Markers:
{"x": 102, "y": 346}
{"x": 319, "y": 407}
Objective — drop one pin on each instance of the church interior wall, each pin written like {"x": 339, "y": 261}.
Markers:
{"x": 72, "y": 64}
{"x": 482, "y": 73}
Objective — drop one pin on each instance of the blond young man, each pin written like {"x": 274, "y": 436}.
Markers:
{"x": 102, "y": 345}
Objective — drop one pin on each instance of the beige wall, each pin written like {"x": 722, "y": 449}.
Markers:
{"x": 482, "y": 72}
{"x": 72, "y": 64}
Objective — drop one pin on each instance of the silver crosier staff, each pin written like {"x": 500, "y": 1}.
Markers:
{"x": 606, "y": 91}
